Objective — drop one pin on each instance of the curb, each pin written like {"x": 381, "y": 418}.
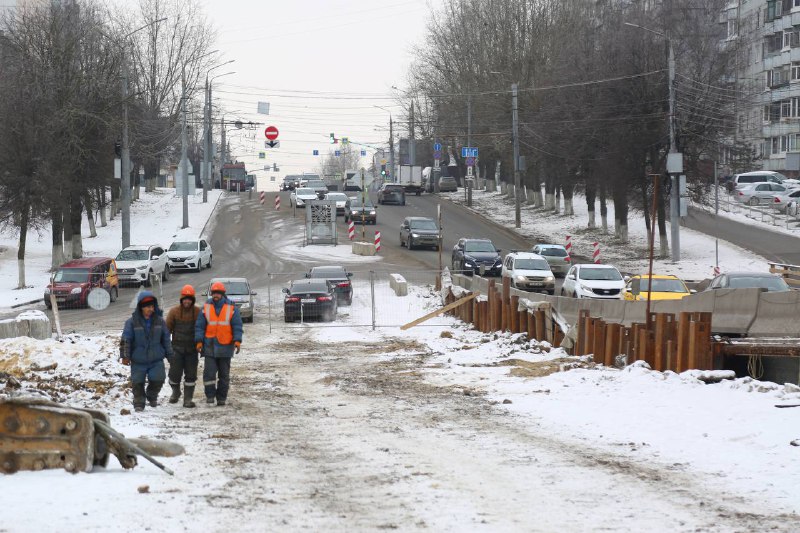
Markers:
{"x": 203, "y": 231}
{"x": 36, "y": 301}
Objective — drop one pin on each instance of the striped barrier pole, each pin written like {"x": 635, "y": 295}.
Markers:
{"x": 351, "y": 230}
{"x": 262, "y": 196}
{"x": 277, "y": 202}
{"x": 377, "y": 241}
{"x": 569, "y": 247}
{"x": 717, "y": 271}
{"x": 596, "y": 253}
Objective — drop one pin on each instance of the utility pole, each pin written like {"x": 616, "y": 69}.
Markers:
{"x": 468, "y": 197}
{"x": 412, "y": 143}
{"x": 206, "y": 149}
{"x": 184, "y": 155}
{"x": 391, "y": 148}
{"x": 222, "y": 155}
{"x": 515, "y": 124}
{"x": 125, "y": 187}
{"x": 675, "y": 193}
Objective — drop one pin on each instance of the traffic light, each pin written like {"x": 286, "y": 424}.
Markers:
{"x": 383, "y": 170}
{"x": 274, "y": 167}
{"x": 333, "y": 138}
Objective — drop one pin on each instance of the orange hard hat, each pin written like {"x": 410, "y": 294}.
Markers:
{"x": 217, "y": 286}
{"x": 187, "y": 290}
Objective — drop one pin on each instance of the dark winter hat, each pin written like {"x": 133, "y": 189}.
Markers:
{"x": 147, "y": 300}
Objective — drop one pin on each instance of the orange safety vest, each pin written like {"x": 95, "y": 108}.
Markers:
{"x": 219, "y": 326}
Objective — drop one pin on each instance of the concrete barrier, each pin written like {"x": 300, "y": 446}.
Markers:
{"x": 364, "y": 248}
{"x": 778, "y": 315}
{"x": 398, "y": 284}
{"x": 34, "y": 324}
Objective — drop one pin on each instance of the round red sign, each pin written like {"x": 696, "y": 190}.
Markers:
{"x": 271, "y": 133}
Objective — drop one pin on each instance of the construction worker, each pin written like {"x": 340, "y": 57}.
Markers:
{"x": 218, "y": 334}
{"x": 144, "y": 346}
{"x": 181, "y": 320}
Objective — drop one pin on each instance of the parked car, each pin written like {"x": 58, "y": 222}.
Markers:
{"x": 529, "y": 272}
{"x": 301, "y": 195}
{"x": 759, "y": 193}
{"x": 350, "y": 187}
{"x": 189, "y": 255}
{"x": 556, "y": 255}
{"x": 391, "y": 193}
{"x": 665, "y": 287}
{"x": 238, "y": 291}
{"x": 759, "y": 176}
{"x": 74, "y": 280}
{"x": 340, "y": 198}
{"x": 309, "y": 298}
{"x": 338, "y": 277}
{"x": 787, "y": 201}
{"x": 593, "y": 281}
{"x": 136, "y": 263}
{"x": 448, "y": 184}
{"x": 476, "y": 256}
{"x": 319, "y": 188}
{"x": 419, "y": 231}
{"x": 746, "y": 280}
{"x": 357, "y": 211}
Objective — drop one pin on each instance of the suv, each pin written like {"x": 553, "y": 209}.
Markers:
{"x": 448, "y": 184}
{"x": 74, "y": 280}
{"x": 319, "y": 187}
{"x": 338, "y": 278}
{"x": 356, "y": 211}
{"x": 603, "y": 282}
{"x": 529, "y": 272}
{"x": 476, "y": 256}
{"x": 419, "y": 231}
{"x": 556, "y": 255}
{"x": 189, "y": 255}
{"x": 392, "y": 193}
{"x": 136, "y": 263}
{"x": 754, "y": 177}
{"x": 238, "y": 291}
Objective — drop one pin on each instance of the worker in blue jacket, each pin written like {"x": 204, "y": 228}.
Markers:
{"x": 144, "y": 345}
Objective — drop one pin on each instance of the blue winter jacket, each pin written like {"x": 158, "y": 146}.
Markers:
{"x": 146, "y": 345}
{"x": 211, "y": 346}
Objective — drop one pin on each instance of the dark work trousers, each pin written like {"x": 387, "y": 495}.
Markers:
{"x": 216, "y": 376}
{"x": 182, "y": 364}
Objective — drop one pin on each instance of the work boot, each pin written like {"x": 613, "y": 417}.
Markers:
{"x": 188, "y": 392}
{"x": 138, "y": 397}
{"x": 210, "y": 400}
{"x": 153, "y": 388}
{"x": 220, "y": 403}
{"x": 176, "y": 393}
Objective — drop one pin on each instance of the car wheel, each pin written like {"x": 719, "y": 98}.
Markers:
{"x": 410, "y": 243}
{"x": 210, "y": 258}
{"x": 249, "y": 320}
{"x": 147, "y": 282}
{"x": 418, "y": 193}
{"x": 165, "y": 274}
{"x": 114, "y": 293}
{"x": 404, "y": 202}
{"x": 287, "y": 318}
{"x": 753, "y": 201}
{"x": 199, "y": 265}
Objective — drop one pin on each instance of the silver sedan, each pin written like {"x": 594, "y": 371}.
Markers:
{"x": 759, "y": 193}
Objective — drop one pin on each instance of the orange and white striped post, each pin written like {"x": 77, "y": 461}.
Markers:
{"x": 377, "y": 241}
{"x": 277, "y": 202}
{"x": 569, "y": 247}
{"x": 351, "y": 230}
{"x": 262, "y": 196}
{"x": 596, "y": 253}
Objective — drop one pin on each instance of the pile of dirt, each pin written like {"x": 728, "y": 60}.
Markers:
{"x": 537, "y": 369}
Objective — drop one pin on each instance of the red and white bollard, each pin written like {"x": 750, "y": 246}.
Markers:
{"x": 377, "y": 241}
{"x": 262, "y": 196}
{"x": 596, "y": 253}
{"x": 717, "y": 271}
{"x": 569, "y": 248}
{"x": 277, "y": 202}
{"x": 351, "y": 230}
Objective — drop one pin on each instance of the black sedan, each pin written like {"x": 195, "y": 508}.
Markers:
{"x": 476, "y": 256}
{"x": 309, "y": 298}
{"x": 356, "y": 211}
{"x": 391, "y": 193}
{"x": 339, "y": 279}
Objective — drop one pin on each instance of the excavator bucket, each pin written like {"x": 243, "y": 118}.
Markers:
{"x": 37, "y": 434}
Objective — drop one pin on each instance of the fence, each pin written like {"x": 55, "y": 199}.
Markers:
{"x": 766, "y": 212}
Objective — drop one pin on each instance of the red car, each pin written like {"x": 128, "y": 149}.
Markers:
{"x": 73, "y": 281}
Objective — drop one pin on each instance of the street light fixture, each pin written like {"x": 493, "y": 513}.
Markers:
{"x": 675, "y": 194}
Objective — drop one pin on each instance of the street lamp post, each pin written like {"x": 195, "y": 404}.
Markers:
{"x": 515, "y": 121}
{"x": 125, "y": 153}
{"x": 207, "y": 146}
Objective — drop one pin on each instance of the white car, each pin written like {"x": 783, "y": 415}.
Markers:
{"x": 189, "y": 255}
{"x": 136, "y": 263}
{"x": 301, "y": 195}
{"x": 603, "y": 282}
{"x": 759, "y": 193}
{"x": 529, "y": 272}
{"x": 786, "y": 202}
{"x": 340, "y": 198}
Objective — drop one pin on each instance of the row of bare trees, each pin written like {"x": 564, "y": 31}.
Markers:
{"x": 61, "y": 108}
{"x": 593, "y": 93}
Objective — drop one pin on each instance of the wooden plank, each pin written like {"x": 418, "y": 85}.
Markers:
{"x": 682, "y": 343}
{"x": 599, "y": 341}
{"x": 612, "y": 343}
{"x": 531, "y": 326}
{"x": 541, "y": 332}
{"x": 438, "y": 312}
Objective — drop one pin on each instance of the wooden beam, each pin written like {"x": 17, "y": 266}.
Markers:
{"x": 438, "y": 312}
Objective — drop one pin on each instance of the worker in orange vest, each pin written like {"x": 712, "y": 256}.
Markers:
{"x": 218, "y": 334}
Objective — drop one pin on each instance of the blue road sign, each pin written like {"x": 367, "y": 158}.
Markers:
{"x": 469, "y": 152}
{"x": 363, "y": 153}
{"x": 316, "y": 152}
{"x": 437, "y": 154}
{"x": 437, "y": 147}
{"x": 337, "y": 153}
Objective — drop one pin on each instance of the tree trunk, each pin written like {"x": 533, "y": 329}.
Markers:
{"x": 647, "y": 207}
{"x": 591, "y": 197}
{"x": 136, "y": 181}
{"x": 23, "y": 236}
{"x": 620, "y": 192}
{"x": 66, "y": 224}
{"x": 662, "y": 224}
{"x": 57, "y": 221}
{"x": 87, "y": 200}
{"x": 557, "y": 200}
{"x": 101, "y": 202}
{"x": 115, "y": 192}
{"x": 75, "y": 219}
{"x": 603, "y": 208}
{"x": 530, "y": 195}
{"x": 549, "y": 191}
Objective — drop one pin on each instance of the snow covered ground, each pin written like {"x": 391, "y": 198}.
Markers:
{"x": 697, "y": 249}
{"x": 156, "y": 217}
{"x": 764, "y": 217}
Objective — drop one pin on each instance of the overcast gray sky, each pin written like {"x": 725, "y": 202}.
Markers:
{"x": 321, "y": 64}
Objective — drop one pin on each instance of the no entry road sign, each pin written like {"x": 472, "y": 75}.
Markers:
{"x": 271, "y": 133}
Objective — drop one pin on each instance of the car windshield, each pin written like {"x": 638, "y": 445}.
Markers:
{"x": 531, "y": 264}
{"x": 392, "y": 188}
{"x": 312, "y": 286}
{"x": 132, "y": 255}
{"x": 663, "y": 285}
{"x": 423, "y": 224}
{"x": 479, "y": 246}
{"x": 183, "y": 246}
{"x": 235, "y": 288}
{"x": 763, "y": 282}
{"x": 338, "y": 196}
{"x": 553, "y": 252}
{"x": 310, "y": 192}
{"x": 316, "y": 183}
{"x": 327, "y": 273}
{"x": 600, "y": 274}
{"x": 356, "y": 202}
{"x": 71, "y": 275}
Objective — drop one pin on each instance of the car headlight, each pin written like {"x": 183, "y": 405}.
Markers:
{"x": 245, "y": 305}
{"x": 549, "y": 279}
{"x": 47, "y": 290}
{"x": 141, "y": 267}
{"x": 372, "y": 212}
{"x": 520, "y": 279}
{"x": 76, "y": 290}
{"x": 415, "y": 235}
{"x": 584, "y": 287}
